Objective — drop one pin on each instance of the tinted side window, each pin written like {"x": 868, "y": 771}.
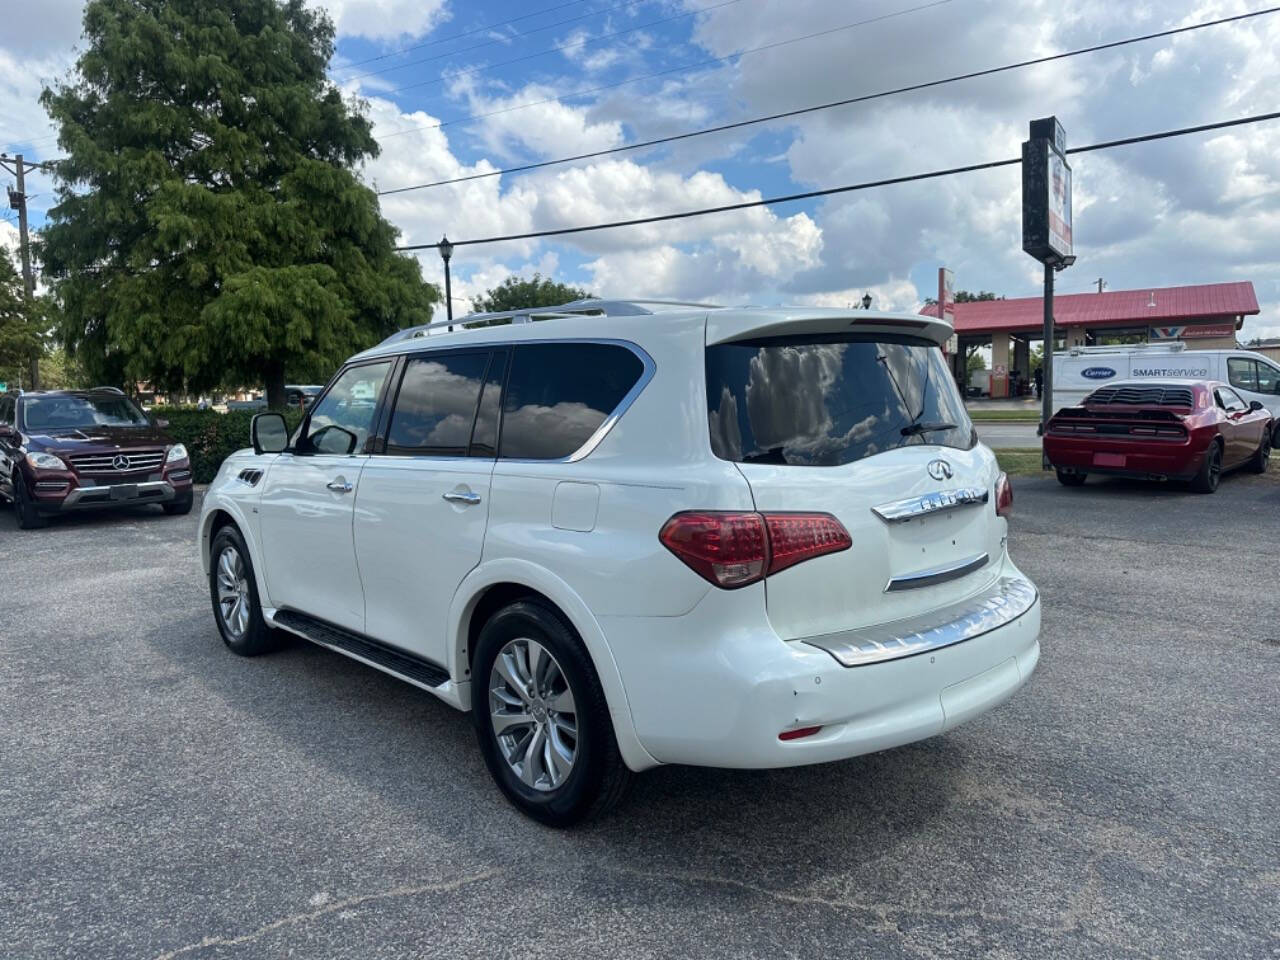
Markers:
{"x": 1268, "y": 378}
{"x": 484, "y": 439}
{"x": 1243, "y": 373}
{"x": 559, "y": 394}
{"x": 341, "y": 421}
{"x": 436, "y": 405}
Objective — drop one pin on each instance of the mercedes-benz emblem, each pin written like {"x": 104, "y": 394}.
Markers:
{"x": 121, "y": 462}
{"x": 939, "y": 470}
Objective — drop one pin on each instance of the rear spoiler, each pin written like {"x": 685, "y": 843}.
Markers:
{"x": 726, "y": 326}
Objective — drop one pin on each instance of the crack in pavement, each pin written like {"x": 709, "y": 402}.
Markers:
{"x": 335, "y": 907}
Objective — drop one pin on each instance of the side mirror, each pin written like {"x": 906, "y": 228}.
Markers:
{"x": 1255, "y": 405}
{"x": 268, "y": 433}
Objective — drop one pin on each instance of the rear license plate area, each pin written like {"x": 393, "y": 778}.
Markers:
{"x": 1108, "y": 459}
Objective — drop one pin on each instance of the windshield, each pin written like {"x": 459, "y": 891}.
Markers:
{"x": 72, "y": 412}
{"x": 825, "y": 401}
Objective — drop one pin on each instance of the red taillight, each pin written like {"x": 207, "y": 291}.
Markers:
{"x": 1004, "y": 495}
{"x": 796, "y": 537}
{"x": 729, "y": 549}
{"x": 735, "y": 549}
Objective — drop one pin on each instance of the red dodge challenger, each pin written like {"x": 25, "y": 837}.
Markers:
{"x": 1159, "y": 430}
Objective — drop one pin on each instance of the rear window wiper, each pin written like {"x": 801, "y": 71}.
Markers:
{"x": 915, "y": 429}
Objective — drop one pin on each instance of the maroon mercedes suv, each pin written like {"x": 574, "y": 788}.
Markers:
{"x": 65, "y": 450}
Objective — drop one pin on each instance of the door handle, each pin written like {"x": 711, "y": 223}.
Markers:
{"x": 462, "y": 496}
{"x": 339, "y": 486}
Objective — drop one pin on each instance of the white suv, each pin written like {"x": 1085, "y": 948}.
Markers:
{"x": 637, "y": 534}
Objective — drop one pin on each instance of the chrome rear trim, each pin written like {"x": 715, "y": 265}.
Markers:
{"x": 927, "y": 578}
{"x": 1000, "y": 604}
{"x": 900, "y": 511}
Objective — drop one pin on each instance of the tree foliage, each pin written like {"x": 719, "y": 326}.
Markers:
{"x": 19, "y": 326}
{"x": 210, "y": 229}
{"x": 515, "y": 293}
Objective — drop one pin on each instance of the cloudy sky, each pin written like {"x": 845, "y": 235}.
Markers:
{"x": 495, "y": 83}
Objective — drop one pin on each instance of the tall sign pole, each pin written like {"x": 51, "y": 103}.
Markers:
{"x": 1046, "y": 226}
{"x": 18, "y": 200}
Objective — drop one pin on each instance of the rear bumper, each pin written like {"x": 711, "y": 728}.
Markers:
{"x": 717, "y": 686}
{"x": 1181, "y": 460}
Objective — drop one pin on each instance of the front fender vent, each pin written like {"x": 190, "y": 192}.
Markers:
{"x": 250, "y": 475}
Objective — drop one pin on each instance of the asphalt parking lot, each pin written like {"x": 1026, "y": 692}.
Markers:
{"x": 160, "y": 797}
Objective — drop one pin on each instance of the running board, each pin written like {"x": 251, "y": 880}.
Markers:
{"x": 398, "y": 662}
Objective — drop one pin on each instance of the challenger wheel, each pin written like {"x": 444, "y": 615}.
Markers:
{"x": 1262, "y": 455}
{"x": 1072, "y": 479}
{"x": 541, "y": 718}
{"x": 1206, "y": 480}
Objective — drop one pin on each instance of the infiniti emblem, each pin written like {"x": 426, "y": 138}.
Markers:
{"x": 939, "y": 469}
{"x": 121, "y": 462}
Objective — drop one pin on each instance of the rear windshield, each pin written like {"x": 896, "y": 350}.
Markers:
{"x": 824, "y": 401}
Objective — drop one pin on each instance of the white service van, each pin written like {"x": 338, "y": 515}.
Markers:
{"x": 1081, "y": 370}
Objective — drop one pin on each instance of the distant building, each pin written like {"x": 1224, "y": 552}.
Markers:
{"x": 1206, "y": 316}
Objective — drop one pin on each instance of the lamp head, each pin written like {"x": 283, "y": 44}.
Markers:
{"x": 446, "y": 249}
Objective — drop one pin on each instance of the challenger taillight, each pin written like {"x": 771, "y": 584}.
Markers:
{"x": 731, "y": 549}
{"x": 1004, "y": 495}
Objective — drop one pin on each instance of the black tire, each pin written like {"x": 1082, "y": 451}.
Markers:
{"x": 1261, "y": 456}
{"x": 1206, "y": 481}
{"x": 597, "y": 778}
{"x": 1072, "y": 479}
{"x": 29, "y": 518}
{"x": 255, "y": 637}
{"x": 179, "y": 507}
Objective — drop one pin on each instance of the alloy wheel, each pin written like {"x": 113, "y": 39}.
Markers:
{"x": 233, "y": 592}
{"x": 533, "y": 715}
{"x": 1215, "y": 467}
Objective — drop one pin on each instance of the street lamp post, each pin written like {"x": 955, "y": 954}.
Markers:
{"x": 446, "y": 254}
{"x": 866, "y": 301}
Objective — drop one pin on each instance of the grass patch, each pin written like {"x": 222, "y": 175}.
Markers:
{"x": 1019, "y": 462}
{"x": 1029, "y": 415}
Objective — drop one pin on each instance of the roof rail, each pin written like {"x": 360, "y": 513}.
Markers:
{"x": 1173, "y": 346}
{"x": 576, "y": 308}
{"x": 115, "y": 390}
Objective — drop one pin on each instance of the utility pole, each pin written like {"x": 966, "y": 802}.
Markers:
{"x": 1101, "y": 284}
{"x": 18, "y": 200}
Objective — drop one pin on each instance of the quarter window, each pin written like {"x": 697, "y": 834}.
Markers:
{"x": 436, "y": 406}
{"x": 340, "y": 422}
{"x": 484, "y": 439}
{"x": 559, "y": 394}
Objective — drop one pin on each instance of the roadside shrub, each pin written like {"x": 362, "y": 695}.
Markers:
{"x": 210, "y": 437}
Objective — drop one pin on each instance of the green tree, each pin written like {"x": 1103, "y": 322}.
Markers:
{"x": 210, "y": 229}
{"x": 964, "y": 296}
{"x": 515, "y": 293}
{"x": 19, "y": 329}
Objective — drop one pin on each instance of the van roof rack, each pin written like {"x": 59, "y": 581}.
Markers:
{"x": 1174, "y": 346}
{"x": 577, "y": 308}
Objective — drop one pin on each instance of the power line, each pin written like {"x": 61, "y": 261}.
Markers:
{"x": 558, "y": 48}
{"x": 459, "y": 36}
{"x": 663, "y": 73}
{"x": 490, "y": 43}
{"x": 848, "y": 188}
{"x": 830, "y": 105}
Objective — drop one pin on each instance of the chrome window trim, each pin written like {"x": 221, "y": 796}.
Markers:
{"x": 900, "y": 511}
{"x": 602, "y": 431}
{"x": 935, "y": 575}
{"x": 997, "y": 606}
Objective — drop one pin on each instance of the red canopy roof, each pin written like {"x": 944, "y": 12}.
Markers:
{"x": 1210, "y": 301}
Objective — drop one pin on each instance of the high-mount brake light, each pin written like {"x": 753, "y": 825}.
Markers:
{"x": 1004, "y": 495}
{"x": 732, "y": 549}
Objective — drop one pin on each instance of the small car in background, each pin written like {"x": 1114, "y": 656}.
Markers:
{"x": 69, "y": 450}
{"x": 1189, "y": 430}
